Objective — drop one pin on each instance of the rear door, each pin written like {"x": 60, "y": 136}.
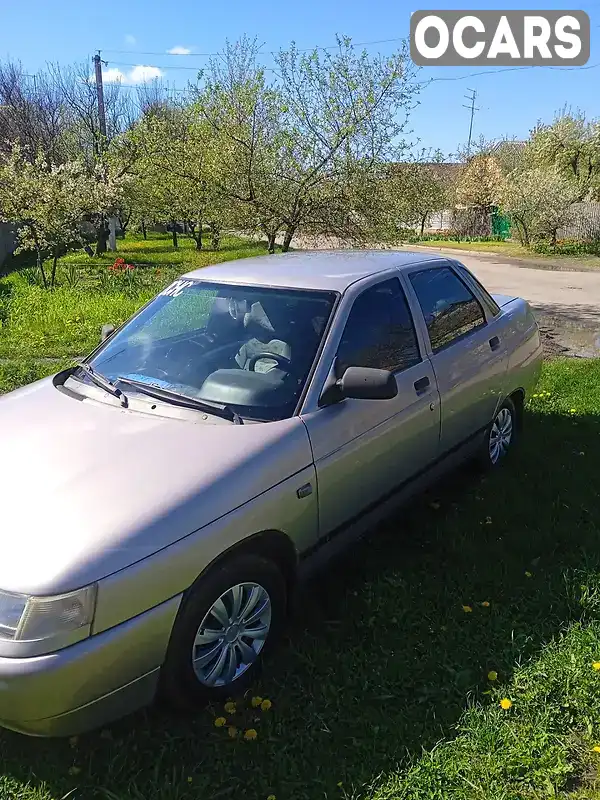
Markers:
{"x": 465, "y": 344}
{"x": 365, "y": 449}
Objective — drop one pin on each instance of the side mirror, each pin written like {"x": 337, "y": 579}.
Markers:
{"x": 107, "y": 330}
{"x": 367, "y": 383}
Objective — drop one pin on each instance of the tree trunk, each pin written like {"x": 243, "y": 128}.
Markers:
{"x": 199, "y": 237}
{"x": 53, "y": 273}
{"x": 271, "y": 242}
{"x": 287, "y": 238}
{"x": 423, "y": 221}
{"x": 144, "y": 234}
{"x": 40, "y": 266}
{"x": 102, "y": 241}
{"x": 215, "y": 235}
{"x": 174, "y": 236}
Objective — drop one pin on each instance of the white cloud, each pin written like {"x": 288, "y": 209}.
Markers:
{"x": 112, "y": 75}
{"x": 129, "y": 39}
{"x": 143, "y": 74}
{"x": 178, "y": 50}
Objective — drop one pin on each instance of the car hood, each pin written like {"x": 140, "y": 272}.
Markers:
{"x": 87, "y": 487}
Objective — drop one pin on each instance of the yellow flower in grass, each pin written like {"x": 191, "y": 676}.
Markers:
{"x": 505, "y": 703}
{"x": 492, "y": 675}
{"x": 232, "y": 731}
{"x": 486, "y": 604}
{"x": 256, "y": 701}
{"x": 528, "y": 574}
{"x": 265, "y": 705}
{"x": 467, "y": 609}
{"x": 596, "y": 749}
{"x": 271, "y": 797}
{"x": 220, "y": 722}
{"x": 596, "y": 665}
{"x": 229, "y": 707}
{"x": 250, "y": 735}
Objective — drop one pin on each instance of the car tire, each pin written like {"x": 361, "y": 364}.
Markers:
{"x": 500, "y": 435}
{"x": 236, "y": 607}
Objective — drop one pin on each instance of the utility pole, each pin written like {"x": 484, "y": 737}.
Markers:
{"x": 470, "y": 97}
{"x": 100, "y": 93}
{"x": 112, "y": 222}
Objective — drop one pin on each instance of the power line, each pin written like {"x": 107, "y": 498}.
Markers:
{"x": 505, "y": 69}
{"x": 205, "y": 55}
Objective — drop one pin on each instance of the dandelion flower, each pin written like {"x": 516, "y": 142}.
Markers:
{"x": 486, "y": 604}
{"x": 232, "y": 731}
{"x": 256, "y": 701}
{"x": 190, "y": 779}
{"x": 229, "y": 707}
{"x": 271, "y": 797}
{"x": 220, "y": 722}
{"x": 492, "y": 675}
{"x": 528, "y": 574}
{"x": 250, "y": 735}
{"x": 596, "y": 749}
{"x": 467, "y": 609}
{"x": 505, "y": 703}
{"x": 596, "y": 665}
{"x": 572, "y": 410}
{"x": 265, "y": 705}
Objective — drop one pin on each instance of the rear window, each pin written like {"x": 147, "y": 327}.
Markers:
{"x": 468, "y": 276}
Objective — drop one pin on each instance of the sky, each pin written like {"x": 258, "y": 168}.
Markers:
{"x": 135, "y": 38}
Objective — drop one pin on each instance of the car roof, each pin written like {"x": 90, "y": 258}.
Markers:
{"x": 318, "y": 269}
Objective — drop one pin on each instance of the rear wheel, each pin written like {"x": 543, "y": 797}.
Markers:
{"x": 500, "y": 434}
{"x": 227, "y": 623}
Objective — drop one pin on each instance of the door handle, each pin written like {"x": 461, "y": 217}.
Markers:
{"x": 421, "y": 385}
{"x": 494, "y": 343}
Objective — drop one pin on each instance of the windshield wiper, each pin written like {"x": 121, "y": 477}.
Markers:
{"x": 102, "y": 382}
{"x": 218, "y": 409}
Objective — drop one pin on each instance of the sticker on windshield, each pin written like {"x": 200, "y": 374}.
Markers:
{"x": 176, "y": 288}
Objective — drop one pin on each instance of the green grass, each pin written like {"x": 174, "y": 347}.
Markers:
{"x": 380, "y": 689}
{"x": 36, "y": 323}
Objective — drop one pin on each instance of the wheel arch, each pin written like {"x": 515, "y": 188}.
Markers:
{"x": 518, "y": 399}
{"x": 272, "y": 544}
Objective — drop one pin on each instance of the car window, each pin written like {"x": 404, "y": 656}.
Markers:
{"x": 379, "y": 331}
{"x": 449, "y": 307}
{"x": 464, "y": 272}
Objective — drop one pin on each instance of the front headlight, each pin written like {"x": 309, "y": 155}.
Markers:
{"x": 27, "y": 618}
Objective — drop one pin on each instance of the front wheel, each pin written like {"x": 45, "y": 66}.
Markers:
{"x": 500, "y": 434}
{"x": 226, "y": 624}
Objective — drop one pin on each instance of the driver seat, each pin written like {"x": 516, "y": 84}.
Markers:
{"x": 262, "y": 340}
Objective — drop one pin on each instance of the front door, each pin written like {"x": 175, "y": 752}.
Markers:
{"x": 366, "y": 449}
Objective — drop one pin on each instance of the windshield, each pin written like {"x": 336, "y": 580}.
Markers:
{"x": 247, "y": 347}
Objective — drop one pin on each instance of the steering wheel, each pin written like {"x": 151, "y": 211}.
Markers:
{"x": 237, "y": 309}
{"x": 282, "y": 361}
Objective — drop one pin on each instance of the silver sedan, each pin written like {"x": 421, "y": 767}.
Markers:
{"x": 162, "y": 500}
